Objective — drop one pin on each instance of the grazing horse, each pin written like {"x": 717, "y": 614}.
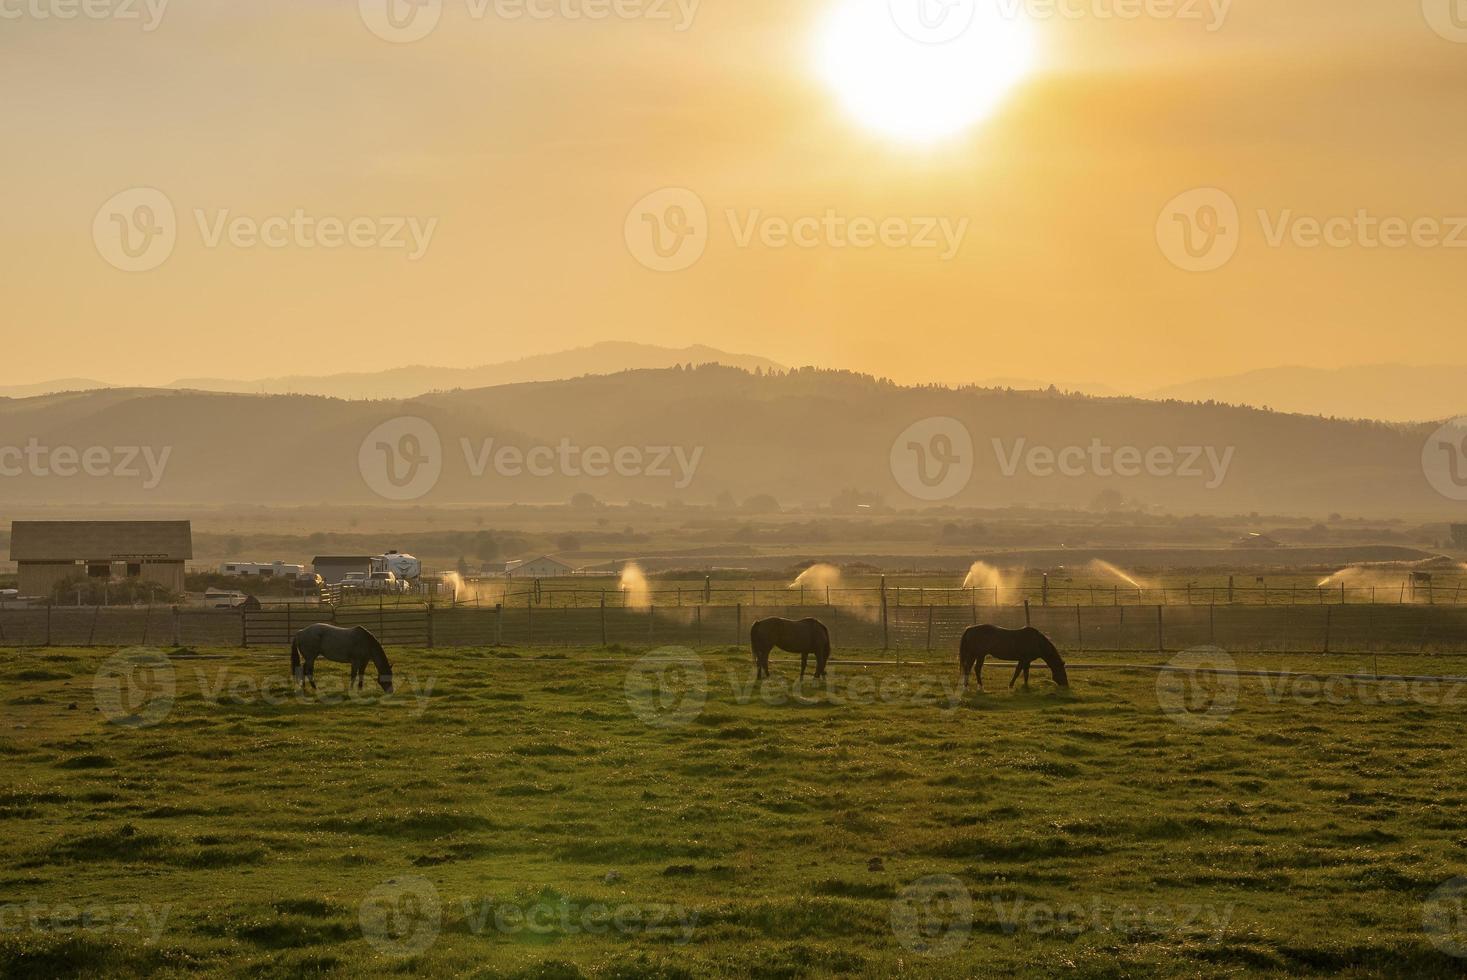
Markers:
{"x": 340, "y": 645}
{"x": 804, "y": 636}
{"x": 1023, "y": 646}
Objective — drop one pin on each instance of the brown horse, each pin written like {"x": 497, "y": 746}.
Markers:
{"x": 355, "y": 646}
{"x": 804, "y": 636}
{"x": 1021, "y": 646}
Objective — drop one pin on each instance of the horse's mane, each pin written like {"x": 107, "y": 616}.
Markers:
{"x": 1053, "y": 651}
{"x": 379, "y": 654}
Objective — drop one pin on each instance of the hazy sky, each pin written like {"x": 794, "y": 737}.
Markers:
{"x": 523, "y": 145}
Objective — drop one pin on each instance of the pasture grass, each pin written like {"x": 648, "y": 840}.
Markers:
{"x": 770, "y": 834}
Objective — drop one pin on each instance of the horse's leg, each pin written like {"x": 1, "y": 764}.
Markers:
{"x": 804, "y": 662}
{"x": 310, "y": 671}
{"x": 982, "y": 658}
{"x": 1027, "y": 665}
{"x": 1018, "y": 669}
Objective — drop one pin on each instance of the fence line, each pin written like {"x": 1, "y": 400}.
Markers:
{"x": 1407, "y": 593}
{"x": 1346, "y": 629}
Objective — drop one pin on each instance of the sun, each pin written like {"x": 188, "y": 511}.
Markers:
{"x": 923, "y": 70}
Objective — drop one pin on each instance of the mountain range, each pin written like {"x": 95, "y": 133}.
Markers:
{"x": 669, "y": 434}
{"x": 1386, "y": 392}
{"x": 608, "y": 357}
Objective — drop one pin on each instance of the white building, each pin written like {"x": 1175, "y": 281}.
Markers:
{"x": 545, "y": 566}
{"x": 274, "y": 569}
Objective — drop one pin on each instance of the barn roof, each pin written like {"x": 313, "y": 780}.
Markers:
{"x": 99, "y": 540}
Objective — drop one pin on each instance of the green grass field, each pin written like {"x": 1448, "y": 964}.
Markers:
{"x": 561, "y": 815}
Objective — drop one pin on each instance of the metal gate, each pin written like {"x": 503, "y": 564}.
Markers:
{"x": 400, "y": 626}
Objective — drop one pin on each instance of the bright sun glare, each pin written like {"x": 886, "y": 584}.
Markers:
{"x": 922, "y": 70}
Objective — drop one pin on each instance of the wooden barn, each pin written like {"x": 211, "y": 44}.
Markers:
{"x": 48, "y": 552}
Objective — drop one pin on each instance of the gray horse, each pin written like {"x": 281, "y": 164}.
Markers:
{"x": 353, "y": 646}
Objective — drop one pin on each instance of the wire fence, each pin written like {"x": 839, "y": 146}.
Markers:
{"x": 1405, "y": 593}
{"x": 928, "y": 628}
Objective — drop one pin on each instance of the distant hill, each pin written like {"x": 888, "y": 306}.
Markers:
{"x": 1393, "y": 392}
{"x": 48, "y": 387}
{"x": 608, "y": 357}
{"x": 801, "y": 436}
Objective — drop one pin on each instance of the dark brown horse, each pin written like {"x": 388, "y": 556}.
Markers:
{"x": 1020, "y": 646}
{"x": 355, "y": 646}
{"x": 804, "y": 636}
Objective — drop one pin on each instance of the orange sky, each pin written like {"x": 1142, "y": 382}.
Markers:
{"x": 528, "y": 141}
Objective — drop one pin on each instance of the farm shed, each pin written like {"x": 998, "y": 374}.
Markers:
{"x": 48, "y": 552}
{"x": 546, "y": 566}
{"x": 334, "y": 568}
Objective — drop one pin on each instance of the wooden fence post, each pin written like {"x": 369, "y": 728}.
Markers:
{"x": 1160, "y": 632}
{"x": 499, "y": 624}
{"x": 603, "y": 617}
{"x": 1327, "y": 618}
{"x": 738, "y": 622}
{"x": 1028, "y": 621}
{"x": 885, "y": 627}
{"x": 1079, "y": 628}
{"x": 929, "y": 629}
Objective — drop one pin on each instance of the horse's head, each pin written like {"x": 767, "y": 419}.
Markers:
{"x": 386, "y": 681}
{"x": 1057, "y": 670}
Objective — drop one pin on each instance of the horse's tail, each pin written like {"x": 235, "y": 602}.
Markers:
{"x": 295, "y": 657}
